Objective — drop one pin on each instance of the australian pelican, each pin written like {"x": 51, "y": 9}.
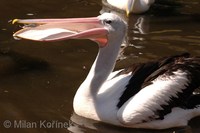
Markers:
{"x": 130, "y": 6}
{"x": 158, "y": 94}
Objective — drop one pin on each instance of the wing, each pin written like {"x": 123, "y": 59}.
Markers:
{"x": 157, "y": 87}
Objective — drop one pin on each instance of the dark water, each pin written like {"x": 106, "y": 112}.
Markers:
{"x": 38, "y": 80}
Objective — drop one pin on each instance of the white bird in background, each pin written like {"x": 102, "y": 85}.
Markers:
{"x": 130, "y": 6}
{"x": 158, "y": 94}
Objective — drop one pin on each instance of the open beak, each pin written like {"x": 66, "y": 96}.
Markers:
{"x": 63, "y": 29}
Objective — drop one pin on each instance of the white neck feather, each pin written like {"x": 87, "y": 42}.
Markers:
{"x": 86, "y": 96}
{"x": 101, "y": 68}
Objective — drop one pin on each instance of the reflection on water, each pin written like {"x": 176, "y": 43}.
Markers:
{"x": 80, "y": 125}
{"x": 38, "y": 80}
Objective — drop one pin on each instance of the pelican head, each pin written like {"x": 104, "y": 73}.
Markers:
{"x": 138, "y": 6}
{"x": 131, "y": 6}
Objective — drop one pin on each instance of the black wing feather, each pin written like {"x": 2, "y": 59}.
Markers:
{"x": 145, "y": 73}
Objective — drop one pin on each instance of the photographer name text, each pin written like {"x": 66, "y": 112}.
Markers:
{"x": 35, "y": 124}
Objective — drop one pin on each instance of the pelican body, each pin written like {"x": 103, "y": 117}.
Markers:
{"x": 155, "y": 95}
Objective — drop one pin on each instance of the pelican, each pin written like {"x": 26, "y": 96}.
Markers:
{"x": 154, "y": 95}
{"x": 130, "y": 6}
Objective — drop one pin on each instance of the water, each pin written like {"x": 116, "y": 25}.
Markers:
{"x": 38, "y": 80}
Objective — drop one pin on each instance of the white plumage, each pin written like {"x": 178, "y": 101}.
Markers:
{"x": 132, "y": 6}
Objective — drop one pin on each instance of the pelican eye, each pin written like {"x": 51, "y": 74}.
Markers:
{"x": 108, "y": 21}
